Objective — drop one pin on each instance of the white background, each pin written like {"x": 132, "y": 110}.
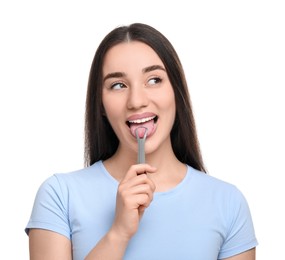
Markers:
{"x": 234, "y": 59}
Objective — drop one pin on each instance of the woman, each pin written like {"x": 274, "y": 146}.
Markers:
{"x": 116, "y": 208}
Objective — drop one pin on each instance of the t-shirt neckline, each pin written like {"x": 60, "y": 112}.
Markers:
{"x": 171, "y": 191}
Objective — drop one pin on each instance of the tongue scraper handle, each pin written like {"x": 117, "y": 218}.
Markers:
{"x": 141, "y": 141}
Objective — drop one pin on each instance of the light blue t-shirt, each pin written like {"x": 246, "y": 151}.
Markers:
{"x": 202, "y": 218}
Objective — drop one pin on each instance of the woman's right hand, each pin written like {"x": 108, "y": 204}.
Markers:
{"x": 134, "y": 195}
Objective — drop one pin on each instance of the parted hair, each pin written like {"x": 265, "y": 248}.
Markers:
{"x": 100, "y": 139}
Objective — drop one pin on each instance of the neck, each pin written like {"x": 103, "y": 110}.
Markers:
{"x": 170, "y": 170}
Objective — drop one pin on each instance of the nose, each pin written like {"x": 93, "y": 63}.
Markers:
{"x": 138, "y": 97}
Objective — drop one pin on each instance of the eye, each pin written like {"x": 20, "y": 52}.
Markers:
{"x": 154, "y": 81}
{"x": 118, "y": 85}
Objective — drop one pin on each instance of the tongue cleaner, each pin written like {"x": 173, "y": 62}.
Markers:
{"x": 141, "y": 140}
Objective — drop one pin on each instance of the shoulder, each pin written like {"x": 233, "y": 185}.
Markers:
{"x": 209, "y": 181}
{"x": 228, "y": 203}
{"x": 71, "y": 188}
{"x": 216, "y": 189}
{"x": 94, "y": 171}
{"x": 78, "y": 179}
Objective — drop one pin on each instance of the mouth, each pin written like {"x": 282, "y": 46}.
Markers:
{"x": 147, "y": 122}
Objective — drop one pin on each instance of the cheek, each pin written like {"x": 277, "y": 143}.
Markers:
{"x": 167, "y": 99}
{"x": 112, "y": 107}
{"x": 169, "y": 106}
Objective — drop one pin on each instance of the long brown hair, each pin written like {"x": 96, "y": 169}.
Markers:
{"x": 100, "y": 139}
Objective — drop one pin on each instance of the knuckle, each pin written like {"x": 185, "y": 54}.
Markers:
{"x": 133, "y": 167}
{"x": 124, "y": 194}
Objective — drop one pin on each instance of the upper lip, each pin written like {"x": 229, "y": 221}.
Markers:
{"x": 141, "y": 118}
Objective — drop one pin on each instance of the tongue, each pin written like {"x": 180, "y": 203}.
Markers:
{"x": 141, "y": 128}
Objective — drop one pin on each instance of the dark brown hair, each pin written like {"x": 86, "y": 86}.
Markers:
{"x": 100, "y": 139}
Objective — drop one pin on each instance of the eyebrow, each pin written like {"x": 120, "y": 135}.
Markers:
{"x": 153, "y": 67}
{"x": 122, "y": 74}
{"x": 114, "y": 75}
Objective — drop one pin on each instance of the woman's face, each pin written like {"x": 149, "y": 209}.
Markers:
{"x": 137, "y": 93}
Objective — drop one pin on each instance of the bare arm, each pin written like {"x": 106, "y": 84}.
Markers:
{"x": 248, "y": 255}
{"x": 45, "y": 245}
{"x": 135, "y": 193}
{"x": 49, "y": 245}
{"x": 110, "y": 247}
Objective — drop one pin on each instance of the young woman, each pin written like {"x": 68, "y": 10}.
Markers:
{"x": 116, "y": 208}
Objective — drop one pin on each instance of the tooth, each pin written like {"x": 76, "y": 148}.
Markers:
{"x": 142, "y": 120}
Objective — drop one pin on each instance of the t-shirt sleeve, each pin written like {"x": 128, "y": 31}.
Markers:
{"x": 241, "y": 234}
{"x": 50, "y": 210}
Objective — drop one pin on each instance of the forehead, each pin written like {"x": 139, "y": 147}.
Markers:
{"x": 132, "y": 54}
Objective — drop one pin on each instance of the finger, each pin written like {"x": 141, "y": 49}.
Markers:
{"x": 139, "y": 184}
{"x": 142, "y": 200}
{"x": 137, "y": 180}
{"x": 138, "y": 169}
{"x": 142, "y": 189}
{"x": 141, "y": 210}
{"x": 136, "y": 197}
